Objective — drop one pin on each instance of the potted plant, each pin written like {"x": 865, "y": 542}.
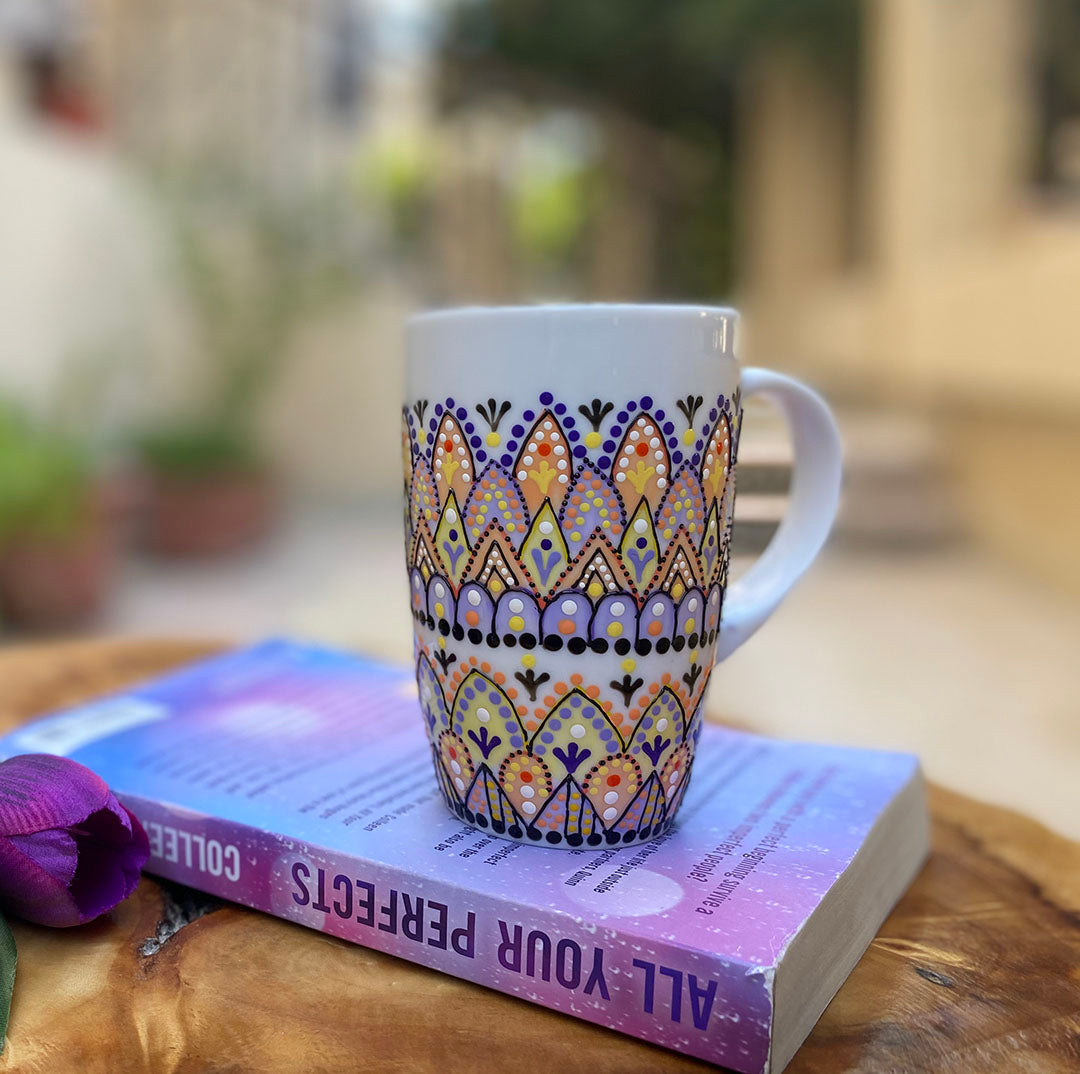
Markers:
{"x": 56, "y": 547}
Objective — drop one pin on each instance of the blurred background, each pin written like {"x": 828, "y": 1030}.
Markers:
{"x": 214, "y": 215}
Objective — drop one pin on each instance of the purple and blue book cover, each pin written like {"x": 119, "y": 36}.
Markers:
{"x": 298, "y": 780}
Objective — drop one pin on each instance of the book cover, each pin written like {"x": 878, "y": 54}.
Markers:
{"x": 297, "y": 780}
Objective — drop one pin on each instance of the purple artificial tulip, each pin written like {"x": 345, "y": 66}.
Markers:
{"x": 69, "y": 851}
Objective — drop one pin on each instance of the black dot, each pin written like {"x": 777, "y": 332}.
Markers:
{"x": 444, "y": 627}
{"x": 598, "y": 645}
{"x": 431, "y": 622}
{"x": 458, "y": 631}
{"x": 554, "y": 837}
{"x": 498, "y": 826}
{"x": 622, "y": 646}
{"x": 663, "y": 645}
{"x": 493, "y": 640}
{"x": 510, "y": 639}
{"x": 644, "y": 833}
{"x": 693, "y": 640}
{"x": 629, "y": 837}
{"x": 528, "y": 641}
{"x": 679, "y": 644}
{"x": 595, "y": 839}
{"x": 574, "y": 839}
{"x": 643, "y": 647}
{"x": 467, "y": 814}
{"x": 612, "y": 837}
{"x": 533, "y": 834}
{"x": 641, "y": 542}
{"x": 475, "y": 636}
{"x": 481, "y": 820}
{"x": 553, "y": 643}
{"x": 576, "y": 645}
{"x": 514, "y": 830}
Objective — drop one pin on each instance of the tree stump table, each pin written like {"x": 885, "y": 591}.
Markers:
{"x": 977, "y": 969}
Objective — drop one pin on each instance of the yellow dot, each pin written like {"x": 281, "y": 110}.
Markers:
{"x": 493, "y": 439}
{"x": 614, "y": 629}
{"x": 595, "y": 589}
{"x": 575, "y": 536}
{"x": 689, "y": 628}
{"x": 528, "y": 661}
{"x": 502, "y": 505}
{"x": 516, "y": 623}
{"x": 688, "y": 436}
{"x": 628, "y": 664}
{"x": 693, "y": 656}
{"x": 487, "y": 496}
{"x": 667, "y": 534}
{"x": 677, "y": 590}
{"x": 440, "y": 611}
{"x": 593, "y": 439}
{"x": 606, "y": 524}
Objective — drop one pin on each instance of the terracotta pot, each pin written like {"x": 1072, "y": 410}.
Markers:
{"x": 207, "y": 516}
{"x": 53, "y": 583}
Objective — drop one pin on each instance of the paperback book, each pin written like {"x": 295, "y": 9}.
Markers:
{"x": 298, "y": 780}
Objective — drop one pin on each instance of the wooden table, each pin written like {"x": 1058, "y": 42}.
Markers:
{"x": 977, "y": 969}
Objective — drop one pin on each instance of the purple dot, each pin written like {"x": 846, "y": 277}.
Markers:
{"x": 470, "y": 693}
{"x": 504, "y": 712}
{"x": 579, "y": 452}
{"x": 511, "y": 445}
{"x": 603, "y": 462}
{"x": 469, "y": 427}
{"x": 659, "y": 415}
{"x": 573, "y": 436}
{"x": 431, "y": 438}
{"x": 641, "y": 736}
{"x": 481, "y": 455}
{"x": 588, "y": 712}
{"x": 641, "y": 542}
{"x": 560, "y": 409}
{"x": 516, "y": 741}
{"x": 609, "y": 445}
{"x": 673, "y": 443}
{"x": 518, "y": 430}
{"x": 555, "y": 724}
{"x": 712, "y": 414}
{"x": 646, "y": 402}
{"x": 631, "y": 406}
{"x": 545, "y": 544}
{"x": 569, "y": 420}
{"x": 538, "y": 749}
{"x": 575, "y": 701}
{"x": 605, "y": 733}
{"x": 615, "y": 430}
{"x": 462, "y": 413}
{"x": 647, "y": 722}
{"x": 669, "y": 428}
{"x": 705, "y": 428}
{"x": 528, "y": 415}
{"x": 548, "y": 737}
{"x": 433, "y": 425}
{"x": 676, "y": 458}
{"x": 408, "y": 417}
{"x": 546, "y": 398}
{"x": 612, "y": 747}
{"x": 721, "y": 400}
{"x": 695, "y": 458}
{"x": 621, "y": 416}
{"x": 507, "y": 460}
{"x": 438, "y": 408}
{"x": 475, "y": 441}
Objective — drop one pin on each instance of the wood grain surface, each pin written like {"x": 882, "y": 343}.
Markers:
{"x": 977, "y": 969}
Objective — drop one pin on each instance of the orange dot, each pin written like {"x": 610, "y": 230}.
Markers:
{"x": 531, "y": 725}
{"x": 614, "y": 781}
{"x": 526, "y": 777}
{"x": 575, "y": 499}
{"x": 448, "y": 445}
{"x": 593, "y": 691}
{"x": 560, "y": 688}
{"x": 561, "y": 798}
{"x": 643, "y": 449}
{"x": 633, "y": 714}
{"x": 607, "y": 706}
{"x": 453, "y": 753}
{"x": 549, "y": 701}
{"x": 643, "y": 700}
{"x": 597, "y": 484}
{"x": 502, "y": 482}
{"x": 521, "y": 710}
{"x": 655, "y": 627}
{"x": 472, "y": 618}
{"x": 566, "y": 626}
{"x": 575, "y": 679}
{"x": 485, "y": 667}
{"x": 654, "y": 688}
{"x": 544, "y": 449}
{"x": 665, "y": 678}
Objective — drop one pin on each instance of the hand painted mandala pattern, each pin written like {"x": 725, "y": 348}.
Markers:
{"x": 534, "y": 537}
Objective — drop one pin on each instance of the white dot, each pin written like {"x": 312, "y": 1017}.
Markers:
{"x": 559, "y": 449}
{"x": 569, "y": 606}
{"x": 416, "y": 583}
{"x": 634, "y": 434}
{"x": 438, "y": 466}
{"x": 516, "y": 605}
{"x": 483, "y": 715}
{"x": 527, "y": 460}
{"x": 439, "y": 589}
{"x": 640, "y": 526}
{"x": 528, "y": 807}
{"x": 618, "y": 608}
{"x": 539, "y": 434}
{"x": 547, "y": 424}
{"x": 648, "y": 430}
{"x": 461, "y": 451}
{"x": 546, "y": 527}
{"x": 661, "y": 482}
{"x": 661, "y": 468}
{"x": 658, "y": 608}
{"x": 451, "y": 515}
{"x": 623, "y": 463}
{"x": 522, "y": 475}
{"x": 562, "y": 478}
{"x": 611, "y": 797}
{"x": 674, "y": 777}
{"x": 654, "y": 442}
{"x": 620, "y": 476}
{"x": 466, "y": 478}
{"x": 661, "y": 724}
{"x": 459, "y": 783}
{"x": 561, "y": 464}
{"x": 457, "y": 438}
{"x": 528, "y": 792}
{"x": 610, "y": 813}
{"x": 474, "y": 597}
{"x": 692, "y": 604}
{"x": 577, "y": 730}
{"x": 455, "y": 768}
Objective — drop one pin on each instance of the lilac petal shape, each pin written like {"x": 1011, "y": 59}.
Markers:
{"x": 28, "y": 891}
{"x": 39, "y": 791}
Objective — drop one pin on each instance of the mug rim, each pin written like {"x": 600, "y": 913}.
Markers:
{"x": 587, "y": 310}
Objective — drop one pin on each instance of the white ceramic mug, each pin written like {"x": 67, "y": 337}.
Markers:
{"x": 570, "y": 482}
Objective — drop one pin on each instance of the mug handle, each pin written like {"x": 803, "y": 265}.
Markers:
{"x": 815, "y": 496}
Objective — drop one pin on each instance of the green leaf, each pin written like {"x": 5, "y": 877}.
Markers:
{"x": 7, "y": 976}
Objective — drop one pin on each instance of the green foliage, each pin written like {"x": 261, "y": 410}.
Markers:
{"x": 397, "y": 174}
{"x": 196, "y": 451}
{"x": 549, "y": 212}
{"x": 8, "y": 957}
{"x": 45, "y": 483}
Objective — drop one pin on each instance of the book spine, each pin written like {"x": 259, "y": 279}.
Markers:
{"x": 682, "y": 999}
